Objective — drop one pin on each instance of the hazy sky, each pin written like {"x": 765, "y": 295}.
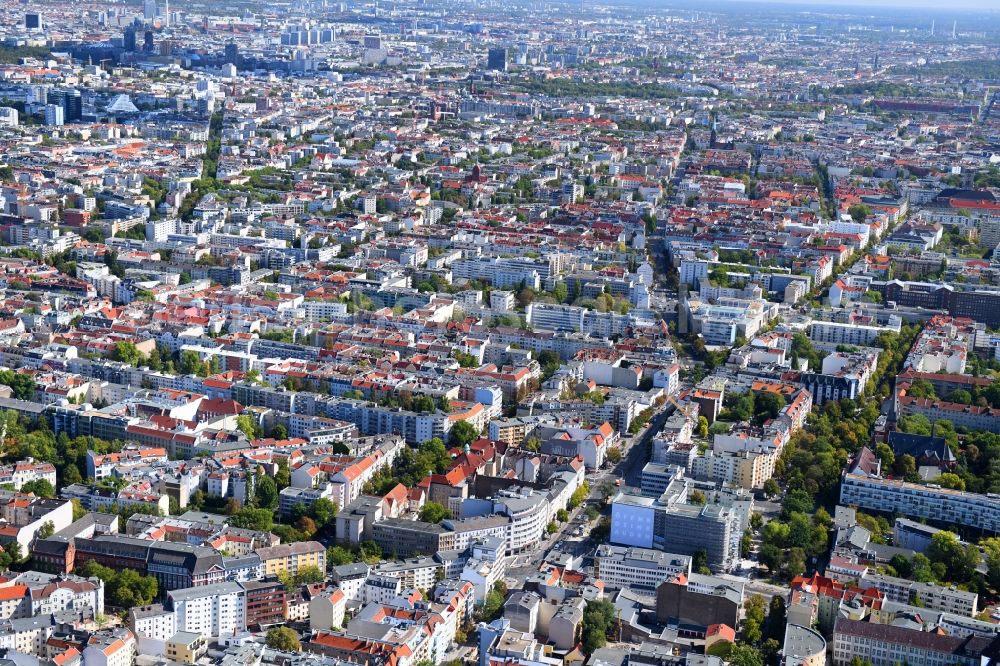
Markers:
{"x": 952, "y": 6}
{"x": 902, "y": 4}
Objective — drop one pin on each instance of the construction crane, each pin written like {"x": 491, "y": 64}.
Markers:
{"x": 681, "y": 408}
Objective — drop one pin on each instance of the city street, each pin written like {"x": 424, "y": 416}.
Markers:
{"x": 635, "y": 454}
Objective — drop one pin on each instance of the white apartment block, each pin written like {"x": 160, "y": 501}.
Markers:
{"x": 917, "y": 501}
{"x": 381, "y": 588}
{"x": 623, "y": 567}
{"x": 153, "y": 622}
{"x": 417, "y": 573}
{"x": 210, "y": 610}
{"x": 26, "y": 471}
{"x": 116, "y": 647}
{"x": 936, "y": 597}
{"x": 842, "y": 333}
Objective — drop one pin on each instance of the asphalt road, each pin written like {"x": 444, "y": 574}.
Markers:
{"x": 629, "y": 469}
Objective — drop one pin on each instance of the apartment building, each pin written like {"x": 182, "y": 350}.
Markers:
{"x": 936, "y": 597}
{"x": 919, "y": 501}
{"x": 326, "y": 610}
{"x": 843, "y": 375}
{"x": 111, "y": 647}
{"x": 291, "y": 558}
{"x": 406, "y": 538}
{"x": 622, "y": 567}
{"x": 154, "y": 622}
{"x": 888, "y": 645}
{"x": 417, "y": 573}
{"x": 25, "y": 471}
{"x": 858, "y": 330}
{"x": 210, "y": 610}
{"x": 266, "y": 602}
{"x": 186, "y": 647}
{"x": 742, "y": 469}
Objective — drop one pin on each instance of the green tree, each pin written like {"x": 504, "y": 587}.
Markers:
{"x": 951, "y": 481}
{"x": 370, "y": 551}
{"x": 463, "y": 433}
{"x": 921, "y": 388}
{"x": 22, "y": 386}
{"x": 40, "y": 487}
{"x": 702, "y": 427}
{"x": 284, "y": 639}
{"x": 308, "y": 575}
{"x": 253, "y": 519}
{"x": 598, "y": 622}
{"x": 432, "y": 512}
{"x": 579, "y": 495}
{"x": 433, "y": 455}
{"x": 753, "y": 623}
{"x": 190, "y": 363}
{"x": 266, "y": 493}
{"x": 991, "y": 555}
{"x": 126, "y": 352}
{"x": 961, "y": 396}
{"x": 699, "y": 562}
{"x": 859, "y": 212}
{"x": 745, "y": 655}
{"x": 323, "y": 511}
{"x": 248, "y": 426}
{"x": 46, "y": 530}
{"x": 959, "y": 561}
{"x": 338, "y": 555}
{"x": 560, "y": 292}
{"x": 885, "y": 453}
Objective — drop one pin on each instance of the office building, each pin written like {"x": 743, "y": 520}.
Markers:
{"x": 32, "y": 21}
{"x": 129, "y": 40}
{"x": 232, "y": 55}
{"x": 673, "y": 524}
{"x": 71, "y": 102}
{"x": 54, "y": 115}
{"x": 497, "y": 60}
{"x": 638, "y": 568}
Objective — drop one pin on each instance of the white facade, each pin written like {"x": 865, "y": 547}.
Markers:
{"x": 641, "y": 568}
{"x": 210, "y": 610}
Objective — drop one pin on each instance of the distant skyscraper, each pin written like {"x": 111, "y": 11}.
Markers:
{"x": 147, "y": 41}
{"x": 149, "y": 9}
{"x": 54, "y": 115}
{"x": 71, "y": 103}
{"x": 373, "y": 42}
{"x": 128, "y": 41}
{"x": 497, "y": 60}
{"x": 33, "y": 21}
{"x": 232, "y": 56}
